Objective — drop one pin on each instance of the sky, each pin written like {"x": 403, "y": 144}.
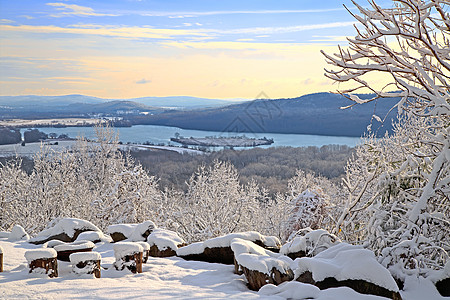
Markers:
{"x": 202, "y": 48}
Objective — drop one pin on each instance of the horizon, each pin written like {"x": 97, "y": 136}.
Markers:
{"x": 131, "y": 49}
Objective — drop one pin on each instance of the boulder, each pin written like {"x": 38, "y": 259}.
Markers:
{"x": 65, "y": 250}
{"x": 66, "y": 230}
{"x": 350, "y": 266}
{"x": 164, "y": 243}
{"x": 132, "y": 232}
{"x": 218, "y": 250}
{"x": 260, "y": 266}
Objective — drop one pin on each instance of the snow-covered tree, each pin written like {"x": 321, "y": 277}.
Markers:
{"x": 401, "y": 185}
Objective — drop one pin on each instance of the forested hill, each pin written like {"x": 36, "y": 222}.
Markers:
{"x": 318, "y": 114}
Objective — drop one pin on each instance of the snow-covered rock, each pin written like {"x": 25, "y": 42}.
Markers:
{"x": 219, "y": 249}
{"x": 66, "y": 230}
{"x": 441, "y": 279}
{"x": 4, "y": 234}
{"x": 44, "y": 253}
{"x": 259, "y": 265}
{"x": 128, "y": 255}
{"x": 77, "y": 245}
{"x": 94, "y": 236}
{"x": 86, "y": 263}
{"x": 66, "y": 249}
{"x": 18, "y": 233}
{"x": 309, "y": 243}
{"x": 53, "y": 243}
{"x": 84, "y": 256}
{"x": 164, "y": 243}
{"x": 131, "y": 232}
{"x": 347, "y": 265}
{"x": 122, "y": 249}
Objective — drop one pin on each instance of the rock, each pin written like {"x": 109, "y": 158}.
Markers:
{"x": 117, "y": 236}
{"x": 443, "y": 287}
{"x": 360, "y": 286}
{"x": 66, "y": 230}
{"x": 65, "y": 250}
{"x": 258, "y": 279}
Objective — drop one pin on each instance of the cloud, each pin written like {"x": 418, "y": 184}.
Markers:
{"x": 75, "y": 10}
{"x": 192, "y": 14}
{"x": 111, "y": 31}
{"x": 143, "y": 81}
{"x": 6, "y": 21}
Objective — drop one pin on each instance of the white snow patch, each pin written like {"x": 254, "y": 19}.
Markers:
{"x": 93, "y": 236}
{"x": 133, "y": 232}
{"x": 194, "y": 248}
{"x": 18, "y": 233}
{"x": 225, "y": 241}
{"x": 344, "y": 261}
{"x": 53, "y": 243}
{"x": 78, "y": 257}
{"x": 164, "y": 239}
{"x": 77, "y": 245}
{"x": 44, "y": 253}
{"x": 312, "y": 242}
{"x": 4, "y": 234}
{"x": 144, "y": 245}
{"x": 122, "y": 249}
{"x": 439, "y": 275}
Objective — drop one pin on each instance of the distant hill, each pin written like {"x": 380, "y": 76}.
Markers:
{"x": 317, "y": 114}
{"x": 70, "y": 102}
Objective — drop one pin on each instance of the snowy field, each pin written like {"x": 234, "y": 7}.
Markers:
{"x": 162, "y": 278}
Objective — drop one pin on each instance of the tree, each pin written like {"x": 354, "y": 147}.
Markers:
{"x": 409, "y": 44}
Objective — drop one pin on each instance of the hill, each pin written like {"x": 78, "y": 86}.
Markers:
{"x": 317, "y": 114}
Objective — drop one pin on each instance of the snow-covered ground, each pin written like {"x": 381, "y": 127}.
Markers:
{"x": 162, "y": 278}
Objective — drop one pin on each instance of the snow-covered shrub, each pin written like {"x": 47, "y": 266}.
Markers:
{"x": 398, "y": 189}
{"x": 214, "y": 204}
{"x": 92, "y": 181}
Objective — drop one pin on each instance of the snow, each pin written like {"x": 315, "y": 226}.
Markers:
{"x": 77, "y": 245}
{"x": 194, "y": 248}
{"x": 436, "y": 276}
{"x": 164, "y": 239}
{"x": 44, "y": 253}
{"x": 254, "y": 257}
{"x": 225, "y": 241}
{"x": 163, "y": 278}
{"x": 67, "y": 226}
{"x": 4, "y": 234}
{"x": 18, "y": 233}
{"x": 1, "y": 250}
{"x": 298, "y": 290}
{"x": 144, "y": 245}
{"x": 125, "y": 229}
{"x": 133, "y": 232}
{"x": 312, "y": 243}
{"x": 93, "y": 236}
{"x": 344, "y": 261}
{"x": 75, "y": 258}
{"x": 53, "y": 243}
{"x": 122, "y": 249}
{"x": 140, "y": 229}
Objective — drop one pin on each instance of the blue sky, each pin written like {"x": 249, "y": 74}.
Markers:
{"x": 124, "y": 49}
